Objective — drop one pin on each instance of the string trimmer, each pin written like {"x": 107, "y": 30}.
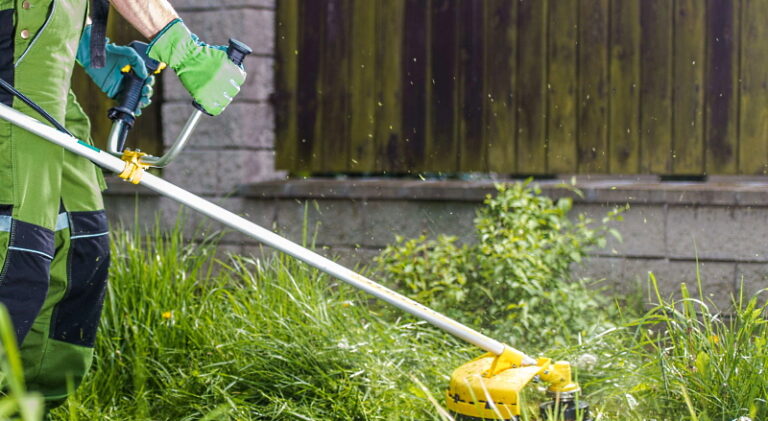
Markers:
{"x": 487, "y": 387}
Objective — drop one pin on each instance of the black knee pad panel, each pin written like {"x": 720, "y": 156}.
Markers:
{"x": 6, "y": 53}
{"x": 25, "y": 274}
{"x": 76, "y": 316}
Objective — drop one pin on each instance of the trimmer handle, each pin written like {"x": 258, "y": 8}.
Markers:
{"x": 129, "y": 99}
{"x": 236, "y": 51}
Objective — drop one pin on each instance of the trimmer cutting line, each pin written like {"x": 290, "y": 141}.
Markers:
{"x": 486, "y": 388}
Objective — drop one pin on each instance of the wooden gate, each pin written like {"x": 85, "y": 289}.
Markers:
{"x": 523, "y": 86}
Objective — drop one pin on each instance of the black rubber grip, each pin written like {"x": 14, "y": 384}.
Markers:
{"x": 128, "y": 103}
{"x": 141, "y": 48}
{"x": 236, "y": 51}
{"x": 130, "y": 94}
{"x": 129, "y": 100}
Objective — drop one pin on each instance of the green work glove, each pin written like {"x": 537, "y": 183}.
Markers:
{"x": 110, "y": 77}
{"x": 208, "y": 74}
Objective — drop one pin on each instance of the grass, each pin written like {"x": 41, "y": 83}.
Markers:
{"x": 684, "y": 359}
{"x": 17, "y": 403}
{"x": 187, "y": 336}
{"x": 715, "y": 363}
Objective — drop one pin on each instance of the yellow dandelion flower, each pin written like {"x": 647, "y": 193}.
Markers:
{"x": 167, "y": 315}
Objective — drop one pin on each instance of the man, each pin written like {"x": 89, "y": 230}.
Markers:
{"x": 54, "y": 249}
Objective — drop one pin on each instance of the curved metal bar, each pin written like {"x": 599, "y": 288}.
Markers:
{"x": 114, "y": 138}
{"x": 177, "y": 146}
{"x": 156, "y": 161}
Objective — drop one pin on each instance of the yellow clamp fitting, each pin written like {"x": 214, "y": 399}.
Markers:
{"x": 126, "y": 68}
{"x": 509, "y": 358}
{"x": 134, "y": 168}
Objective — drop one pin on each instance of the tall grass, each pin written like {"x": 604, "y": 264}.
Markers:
{"x": 684, "y": 359}
{"x": 186, "y": 336}
{"x": 17, "y": 404}
{"x": 708, "y": 365}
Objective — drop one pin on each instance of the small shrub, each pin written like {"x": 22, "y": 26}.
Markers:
{"x": 516, "y": 279}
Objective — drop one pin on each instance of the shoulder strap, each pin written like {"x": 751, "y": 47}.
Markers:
{"x": 99, "y": 15}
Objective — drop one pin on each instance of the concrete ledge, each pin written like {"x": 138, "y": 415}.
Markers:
{"x": 720, "y": 192}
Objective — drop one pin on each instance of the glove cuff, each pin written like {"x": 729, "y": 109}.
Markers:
{"x": 171, "y": 44}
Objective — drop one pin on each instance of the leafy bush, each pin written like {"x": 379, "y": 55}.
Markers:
{"x": 516, "y": 279}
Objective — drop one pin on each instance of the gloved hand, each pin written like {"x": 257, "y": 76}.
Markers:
{"x": 110, "y": 77}
{"x": 206, "y": 71}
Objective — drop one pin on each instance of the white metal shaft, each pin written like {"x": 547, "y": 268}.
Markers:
{"x": 263, "y": 235}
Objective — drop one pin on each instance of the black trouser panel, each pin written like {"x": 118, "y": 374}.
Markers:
{"x": 24, "y": 278}
{"x": 76, "y": 317}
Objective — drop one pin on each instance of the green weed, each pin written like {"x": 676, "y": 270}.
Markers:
{"x": 189, "y": 336}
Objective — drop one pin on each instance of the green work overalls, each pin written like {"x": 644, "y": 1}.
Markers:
{"x": 54, "y": 248}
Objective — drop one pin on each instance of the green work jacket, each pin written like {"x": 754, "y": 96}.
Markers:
{"x": 45, "y": 36}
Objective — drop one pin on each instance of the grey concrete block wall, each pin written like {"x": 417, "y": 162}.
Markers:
{"x": 676, "y": 231}
{"x": 679, "y": 237}
{"x": 643, "y": 228}
{"x": 228, "y": 130}
{"x": 626, "y": 275}
{"x": 732, "y": 232}
{"x": 190, "y": 5}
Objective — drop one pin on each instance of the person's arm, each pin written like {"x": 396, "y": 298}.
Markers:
{"x": 149, "y": 17}
{"x": 205, "y": 70}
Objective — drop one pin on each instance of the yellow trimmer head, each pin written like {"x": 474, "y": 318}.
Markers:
{"x": 489, "y": 387}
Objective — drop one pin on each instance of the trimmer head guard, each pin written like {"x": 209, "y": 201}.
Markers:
{"x": 489, "y": 387}
{"x": 474, "y": 394}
